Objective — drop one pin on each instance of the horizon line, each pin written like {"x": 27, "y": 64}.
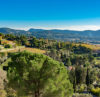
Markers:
{"x": 73, "y": 28}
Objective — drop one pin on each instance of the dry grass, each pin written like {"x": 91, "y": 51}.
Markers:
{"x": 91, "y": 46}
{"x": 33, "y": 50}
{"x": 2, "y": 77}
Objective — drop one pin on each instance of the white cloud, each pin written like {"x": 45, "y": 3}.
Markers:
{"x": 84, "y": 27}
{"x": 77, "y": 27}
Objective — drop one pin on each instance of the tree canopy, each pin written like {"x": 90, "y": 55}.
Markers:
{"x": 37, "y": 75}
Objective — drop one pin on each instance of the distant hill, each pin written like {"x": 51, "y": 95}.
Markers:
{"x": 63, "y": 35}
{"x": 11, "y": 31}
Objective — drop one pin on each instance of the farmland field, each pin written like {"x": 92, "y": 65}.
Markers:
{"x": 33, "y": 50}
{"x": 91, "y": 46}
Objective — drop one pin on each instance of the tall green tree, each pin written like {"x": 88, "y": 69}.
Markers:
{"x": 38, "y": 75}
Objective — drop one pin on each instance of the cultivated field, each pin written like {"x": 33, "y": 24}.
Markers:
{"x": 91, "y": 46}
{"x": 33, "y": 50}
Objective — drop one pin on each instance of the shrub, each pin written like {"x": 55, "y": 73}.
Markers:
{"x": 3, "y": 93}
{"x": 96, "y": 91}
{"x": 82, "y": 95}
{"x": 90, "y": 87}
{"x": 7, "y": 46}
{"x": 80, "y": 88}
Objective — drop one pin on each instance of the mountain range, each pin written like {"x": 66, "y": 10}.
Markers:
{"x": 60, "y": 35}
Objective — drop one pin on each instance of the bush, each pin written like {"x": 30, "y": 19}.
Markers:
{"x": 96, "y": 91}
{"x": 3, "y": 93}
{"x": 11, "y": 92}
{"x": 90, "y": 87}
{"x": 82, "y": 95}
{"x": 7, "y": 46}
{"x": 81, "y": 88}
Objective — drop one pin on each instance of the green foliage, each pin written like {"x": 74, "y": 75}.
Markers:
{"x": 82, "y": 95}
{"x": 79, "y": 60}
{"x": 23, "y": 40}
{"x": 96, "y": 91}
{"x": 2, "y": 54}
{"x": 68, "y": 62}
{"x": 38, "y": 75}
{"x": 81, "y": 88}
{"x": 81, "y": 49}
{"x": 80, "y": 75}
{"x": 37, "y": 43}
{"x": 10, "y": 92}
{"x": 7, "y": 46}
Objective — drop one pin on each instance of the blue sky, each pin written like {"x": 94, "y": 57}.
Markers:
{"x": 49, "y": 14}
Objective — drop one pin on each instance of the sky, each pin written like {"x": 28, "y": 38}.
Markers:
{"x": 50, "y": 14}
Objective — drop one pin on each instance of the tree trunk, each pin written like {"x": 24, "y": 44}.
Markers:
{"x": 37, "y": 94}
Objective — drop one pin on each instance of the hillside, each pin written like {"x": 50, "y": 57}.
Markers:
{"x": 60, "y": 35}
{"x": 74, "y": 57}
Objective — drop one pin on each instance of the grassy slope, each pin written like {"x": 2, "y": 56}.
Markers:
{"x": 33, "y": 50}
{"x": 91, "y": 46}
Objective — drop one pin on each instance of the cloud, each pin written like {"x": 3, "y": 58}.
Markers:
{"x": 76, "y": 27}
{"x": 84, "y": 27}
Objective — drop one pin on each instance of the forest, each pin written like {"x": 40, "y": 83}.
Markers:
{"x": 90, "y": 36}
{"x": 66, "y": 69}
